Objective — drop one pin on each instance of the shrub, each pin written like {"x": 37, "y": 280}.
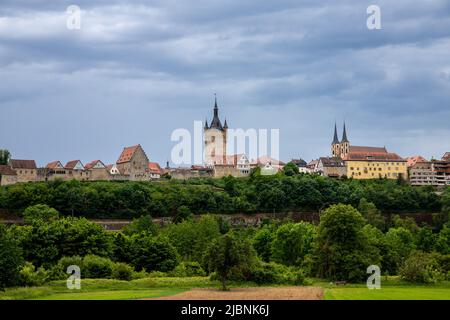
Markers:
{"x": 39, "y": 212}
{"x": 300, "y": 277}
{"x": 421, "y": 267}
{"x": 29, "y": 276}
{"x": 59, "y": 271}
{"x": 274, "y": 273}
{"x": 139, "y": 275}
{"x": 188, "y": 269}
{"x": 141, "y": 224}
{"x": 96, "y": 267}
{"x": 122, "y": 271}
{"x": 183, "y": 213}
{"x": 156, "y": 274}
{"x": 194, "y": 269}
{"x": 268, "y": 273}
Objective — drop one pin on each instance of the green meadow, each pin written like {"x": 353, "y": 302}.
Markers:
{"x": 106, "y": 289}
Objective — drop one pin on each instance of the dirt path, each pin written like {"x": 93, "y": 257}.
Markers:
{"x": 260, "y": 293}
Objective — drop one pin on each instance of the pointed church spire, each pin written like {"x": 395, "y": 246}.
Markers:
{"x": 206, "y": 123}
{"x": 216, "y": 108}
{"x": 335, "y": 138}
{"x": 344, "y": 135}
{"x": 215, "y": 123}
{"x": 225, "y": 125}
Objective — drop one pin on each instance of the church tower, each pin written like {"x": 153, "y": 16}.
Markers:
{"x": 345, "y": 144}
{"x": 335, "y": 145}
{"x": 215, "y": 138}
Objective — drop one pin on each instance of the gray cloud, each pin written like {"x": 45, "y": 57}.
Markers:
{"x": 136, "y": 71}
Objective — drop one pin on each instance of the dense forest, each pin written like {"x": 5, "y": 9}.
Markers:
{"x": 340, "y": 248}
{"x": 284, "y": 192}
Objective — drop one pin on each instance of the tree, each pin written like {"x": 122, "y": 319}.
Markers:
{"x": 443, "y": 240}
{"x": 11, "y": 259}
{"x": 5, "y": 156}
{"x": 191, "y": 238}
{"x": 290, "y": 169}
{"x": 292, "y": 242}
{"x": 262, "y": 242}
{"x": 152, "y": 253}
{"x": 426, "y": 240}
{"x": 407, "y": 223}
{"x": 183, "y": 213}
{"x": 226, "y": 253}
{"x": 400, "y": 243}
{"x": 141, "y": 224}
{"x": 343, "y": 250}
{"x": 39, "y": 212}
{"x": 372, "y": 214}
{"x": 47, "y": 242}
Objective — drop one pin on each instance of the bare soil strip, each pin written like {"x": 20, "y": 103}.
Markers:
{"x": 260, "y": 293}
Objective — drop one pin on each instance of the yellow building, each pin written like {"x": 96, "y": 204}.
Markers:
{"x": 368, "y": 162}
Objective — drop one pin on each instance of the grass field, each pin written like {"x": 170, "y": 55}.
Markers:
{"x": 391, "y": 289}
{"x": 105, "y": 289}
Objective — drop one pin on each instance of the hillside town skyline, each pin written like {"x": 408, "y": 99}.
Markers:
{"x": 344, "y": 160}
{"x": 344, "y": 127}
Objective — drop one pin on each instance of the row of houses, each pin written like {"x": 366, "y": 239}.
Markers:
{"x": 132, "y": 164}
{"x": 434, "y": 172}
{"x": 364, "y": 162}
{"x": 237, "y": 165}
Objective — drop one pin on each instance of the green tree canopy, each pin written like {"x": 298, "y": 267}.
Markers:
{"x": 39, "y": 212}
{"x": 292, "y": 242}
{"x": 290, "y": 169}
{"x": 343, "y": 250}
{"x": 5, "y": 156}
{"x": 11, "y": 259}
{"x": 226, "y": 253}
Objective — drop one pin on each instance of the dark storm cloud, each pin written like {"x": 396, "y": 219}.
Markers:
{"x": 138, "y": 70}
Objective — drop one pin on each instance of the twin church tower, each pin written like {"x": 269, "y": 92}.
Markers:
{"x": 340, "y": 149}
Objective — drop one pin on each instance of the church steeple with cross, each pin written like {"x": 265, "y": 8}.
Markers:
{"x": 215, "y": 138}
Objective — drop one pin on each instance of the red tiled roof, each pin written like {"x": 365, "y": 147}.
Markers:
{"x": 127, "y": 154}
{"x": 364, "y": 149}
{"x": 154, "y": 168}
{"x": 413, "y": 160}
{"x": 266, "y": 159}
{"x": 446, "y": 156}
{"x": 71, "y": 164}
{"x": 373, "y": 156}
{"x": 53, "y": 165}
{"x": 7, "y": 171}
{"x": 331, "y": 162}
{"x": 23, "y": 164}
{"x": 92, "y": 164}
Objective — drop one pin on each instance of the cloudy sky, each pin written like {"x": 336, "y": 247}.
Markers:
{"x": 137, "y": 70}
